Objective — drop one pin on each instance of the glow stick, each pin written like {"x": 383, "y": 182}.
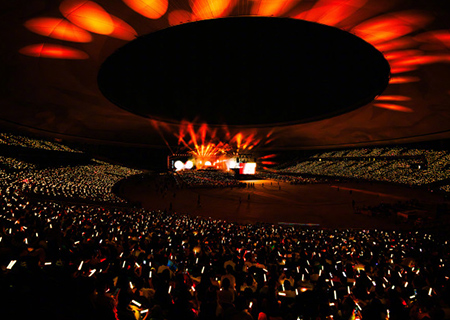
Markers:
{"x": 136, "y": 303}
{"x": 11, "y": 264}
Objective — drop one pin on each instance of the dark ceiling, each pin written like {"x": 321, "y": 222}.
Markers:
{"x": 51, "y": 52}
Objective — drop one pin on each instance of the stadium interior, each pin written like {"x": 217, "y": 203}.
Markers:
{"x": 225, "y": 159}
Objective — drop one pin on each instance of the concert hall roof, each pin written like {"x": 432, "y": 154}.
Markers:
{"x": 312, "y": 74}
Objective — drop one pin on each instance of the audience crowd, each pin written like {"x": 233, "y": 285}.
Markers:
{"x": 395, "y": 169}
{"x": 74, "y": 261}
{"x": 288, "y": 178}
{"x": 65, "y": 259}
{"x": 92, "y": 182}
{"x": 22, "y": 141}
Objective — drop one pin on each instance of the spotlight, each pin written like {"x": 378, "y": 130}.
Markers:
{"x": 178, "y": 165}
{"x": 189, "y": 164}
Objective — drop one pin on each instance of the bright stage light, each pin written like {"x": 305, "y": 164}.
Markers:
{"x": 207, "y": 163}
{"x": 248, "y": 168}
{"x": 189, "y": 164}
{"x": 178, "y": 165}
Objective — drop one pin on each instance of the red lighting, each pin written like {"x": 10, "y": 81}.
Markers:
{"x": 397, "y": 44}
{"x": 272, "y": 8}
{"x": 87, "y": 15}
{"x": 393, "y": 55}
{"x": 152, "y": 9}
{"x": 58, "y": 29}
{"x": 122, "y": 30}
{"x": 393, "y": 107}
{"x": 209, "y": 9}
{"x": 435, "y": 37}
{"x": 269, "y": 156}
{"x": 396, "y": 70}
{"x": 45, "y": 50}
{"x": 177, "y": 17}
{"x": 399, "y": 80}
{"x": 391, "y": 26}
{"x": 421, "y": 60}
{"x": 393, "y": 98}
{"x": 331, "y": 12}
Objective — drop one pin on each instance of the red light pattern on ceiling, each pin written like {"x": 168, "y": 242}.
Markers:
{"x": 393, "y": 107}
{"x": 177, "y": 17}
{"x": 389, "y": 33}
{"x": 391, "y": 26}
{"x": 152, "y": 9}
{"x": 393, "y": 98}
{"x": 209, "y": 9}
{"x": 397, "y": 44}
{"x": 400, "y": 80}
{"x": 393, "y": 55}
{"x": 58, "y": 29}
{"x": 268, "y": 163}
{"x": 331, "y": 12}
{"x": 412, "y": 63}
{"x": 272, "y": 8}
{"x": 435, "y": 37}
{"x": 122, "y": 30}
{"x": 87, "y": 15}
{"x": 396, "y": 70}
{"x": 268, "y": 156}
{"x": 55, "y": 51}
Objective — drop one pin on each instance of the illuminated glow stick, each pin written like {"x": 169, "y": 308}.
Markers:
{"x": 80, "y": 266}
{"x": 136, "y": 303}
{"x": 11, "y": 264}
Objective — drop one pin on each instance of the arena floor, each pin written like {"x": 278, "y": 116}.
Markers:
{"x": 325, "y": 205}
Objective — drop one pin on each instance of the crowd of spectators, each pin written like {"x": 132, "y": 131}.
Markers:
{"x": 12, "y": 164}
{"x": 379, "y": 164}
{"x": 288, "y": 178}
{"x": 22, "y": 141}
{"x": 206, "y": 178}
{"x": 62, "y": 259}
{"x": 73, "y": 261}
{"x": 89, "y": 182}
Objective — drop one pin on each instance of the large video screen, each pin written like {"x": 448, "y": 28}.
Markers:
{"x": 247, "y": 168}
